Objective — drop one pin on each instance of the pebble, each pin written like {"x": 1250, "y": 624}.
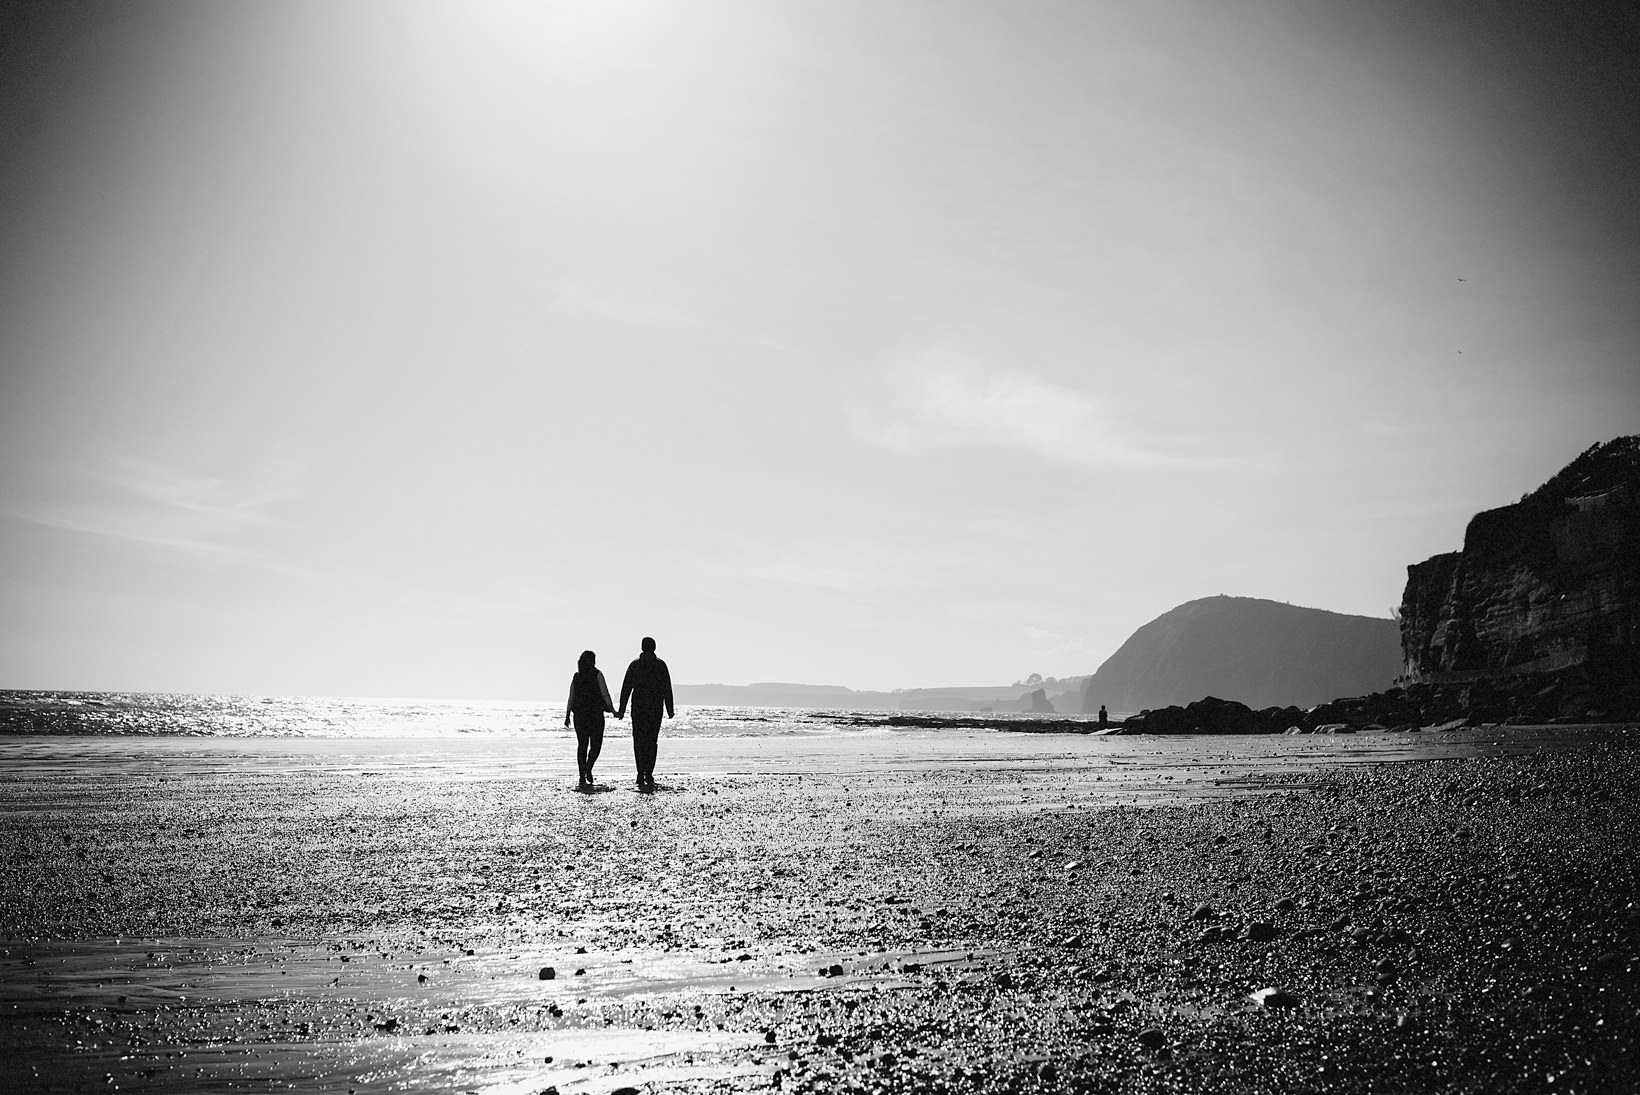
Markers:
{"x": 547, "y": 973}
{"x": 1152, "y": 1038}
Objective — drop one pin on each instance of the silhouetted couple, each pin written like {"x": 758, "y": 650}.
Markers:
{"x": 647, "y": 685}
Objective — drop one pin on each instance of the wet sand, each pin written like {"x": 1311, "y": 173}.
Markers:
{"x": 875, "y": 911}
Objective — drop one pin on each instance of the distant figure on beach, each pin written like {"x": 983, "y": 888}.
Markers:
{"x": 649, "y": 686}
{"x": 588, "y": 700}
{"x": 1104, "y": 719}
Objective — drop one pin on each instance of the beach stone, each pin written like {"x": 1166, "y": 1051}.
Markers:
{"x": 1203, "y": 912}
{"x": 547, "y": 973}
{"x": 1073, "y": 943}
{"x": 1274, "y": 998}
{"x": 1286, "y": 904}
{"x": 1152, "y": 1038}
{"x": 1259, "y": 931}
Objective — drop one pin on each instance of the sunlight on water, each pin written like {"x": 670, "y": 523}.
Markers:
{"x": 318, "y": 717}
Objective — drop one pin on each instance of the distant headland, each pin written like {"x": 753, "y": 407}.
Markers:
{"x": 1536, "y": 619}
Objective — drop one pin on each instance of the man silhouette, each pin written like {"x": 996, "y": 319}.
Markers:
{"x": 649, "y": 686}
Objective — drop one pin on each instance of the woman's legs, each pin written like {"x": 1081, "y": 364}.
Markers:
{"x": 583, "y": 740}
{"x": 593, "y": 745}
{"x": 589, "y": 742}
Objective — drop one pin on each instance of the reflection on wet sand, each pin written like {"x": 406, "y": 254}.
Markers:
{"x": 375, "y": 915}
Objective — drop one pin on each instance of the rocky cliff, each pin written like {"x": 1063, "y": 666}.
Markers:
{"x": 1548, "y": 583}
{"x": 1257, "y": 652}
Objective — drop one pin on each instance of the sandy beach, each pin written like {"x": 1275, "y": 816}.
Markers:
{"x": 918, "y": 910}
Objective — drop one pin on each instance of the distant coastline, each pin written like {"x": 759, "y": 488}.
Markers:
{"x": 1064, "y": 694}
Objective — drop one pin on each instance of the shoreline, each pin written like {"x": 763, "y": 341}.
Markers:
{"x": 988, "y": 910}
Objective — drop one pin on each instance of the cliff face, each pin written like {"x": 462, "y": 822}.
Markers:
{"x": 1257, "y": 652}
{"x": 1550, "y": 582}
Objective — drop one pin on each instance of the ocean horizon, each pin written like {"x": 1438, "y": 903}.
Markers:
{"x": 67, "y": 712}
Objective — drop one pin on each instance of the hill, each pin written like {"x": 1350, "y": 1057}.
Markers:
{"x": 1261, "y": 653}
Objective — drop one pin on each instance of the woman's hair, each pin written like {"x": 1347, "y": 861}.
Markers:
{"x": 588, "y": 660}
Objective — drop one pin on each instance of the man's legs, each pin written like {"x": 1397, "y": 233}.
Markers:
{"x": 646, "y": 732}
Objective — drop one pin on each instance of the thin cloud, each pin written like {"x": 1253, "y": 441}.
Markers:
{"x": 841, "y": 564}
{"x": 158, "y": 505}
{"x": 606, "y": 306}
{"x": 950, "y": 405}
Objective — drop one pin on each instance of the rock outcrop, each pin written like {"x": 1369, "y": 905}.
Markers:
{"x": 1254, "y": 652}
{"x": 1037, "y": 702}
{"x": 1214, "y": 716}
{"x": 1543, "y": 585}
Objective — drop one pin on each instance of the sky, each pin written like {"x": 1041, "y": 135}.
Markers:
{"x": 408, "y": 349}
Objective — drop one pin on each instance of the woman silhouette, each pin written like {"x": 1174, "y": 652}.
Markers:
{"x": 588, "y": 700}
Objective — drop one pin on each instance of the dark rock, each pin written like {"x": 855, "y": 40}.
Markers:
{"x": 547, "y": 973}
{"x": 1275, "y": 998}
{"x": 1152, "y": 1038}
{"x": 1549, "y": 585}
{"x": 1203, "y": 912}
{"x": 1259, "y": 931}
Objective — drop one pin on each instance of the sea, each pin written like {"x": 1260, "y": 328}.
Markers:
{"x": 138, "y": 713}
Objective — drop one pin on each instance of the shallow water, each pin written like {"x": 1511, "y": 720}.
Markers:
{"x": 134, "y": 713}
{"x": 1082, "y": 767}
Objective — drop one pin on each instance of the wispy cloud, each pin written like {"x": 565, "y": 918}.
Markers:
{"x": 1052, "y": 644}
{"x": 617, "y": 308}
{"x": 945, "y": 401}
{"x": 842, "y": 564}
{"x": 159, "y": 505}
